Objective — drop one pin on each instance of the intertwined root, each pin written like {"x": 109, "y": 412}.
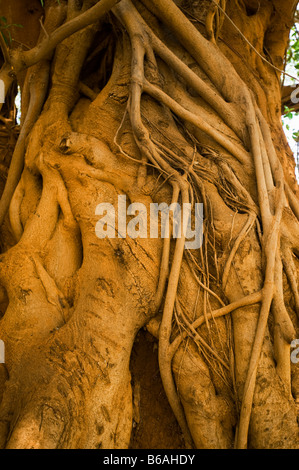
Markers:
{"x": 269, "y": 178}
{"x": 195, "y": 173}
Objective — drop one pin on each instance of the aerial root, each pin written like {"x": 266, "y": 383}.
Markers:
{"x": 196, "y": 337}
{"x": 38, "y": 90}
{"x": 227, "y": 309}
{"x": 39, "y": 229}
{"x": 164, "y": 265}
{"x": 271, "y": 243}
{"x": 284, "y": 331}
{"x": 271, "y": 198}
{"x": 54, "y": 296}
{"x": 214, "y": 20}
{"x": 35, "y": 90}
{"x": 242, "y": 235}
{"x": 25, "y": 59}
{"x": 291, "y": 273}
{"x": 237, "y": 151}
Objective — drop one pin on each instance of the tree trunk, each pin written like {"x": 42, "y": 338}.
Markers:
{"x": 160, "y": 101}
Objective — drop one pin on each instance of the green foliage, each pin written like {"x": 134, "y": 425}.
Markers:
{"x": 288, "y": 116}
{"x": 296, "y": 136}
{"x": 292, "y": 65}
{"x": 288, "y": 113}
{"x": 5, "y": 29}
{"x": 5, "y": 26}
{"x": 293, "y": 50}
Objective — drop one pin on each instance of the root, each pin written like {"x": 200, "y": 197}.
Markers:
{"x": 38, "y": 89}
{"x": 53, "y": 294}
{"x": 238, "y": 152}
{"x": 14, "y": 211}
{"x": 149, "y": 152}
{"x": 249, "y": 300}
{"x": 223, "y": 109}
{"x": 190, "y": 171}
{"x": 215, "y": 19}
{"x": 165, "y": 332}
{"x": 271, "y": 233}
{"x": 54, "y": 196}
{"x": 291, "y": 272}
{"x": 284, "y": 331}
{"x": 21, "y": 59}
{"x": 197, "y": 337}
{"x": 269, "y": 177}
{"x": 164, "y": 266}
{"x": 201, "y": 284}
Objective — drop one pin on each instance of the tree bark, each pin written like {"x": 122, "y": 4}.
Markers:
{"x": 160, "y": 101}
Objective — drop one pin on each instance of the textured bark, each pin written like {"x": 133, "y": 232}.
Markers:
{"x": 161, "y": 101}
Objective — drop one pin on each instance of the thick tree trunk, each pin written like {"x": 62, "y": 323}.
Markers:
{"x": 161, "y": 101}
